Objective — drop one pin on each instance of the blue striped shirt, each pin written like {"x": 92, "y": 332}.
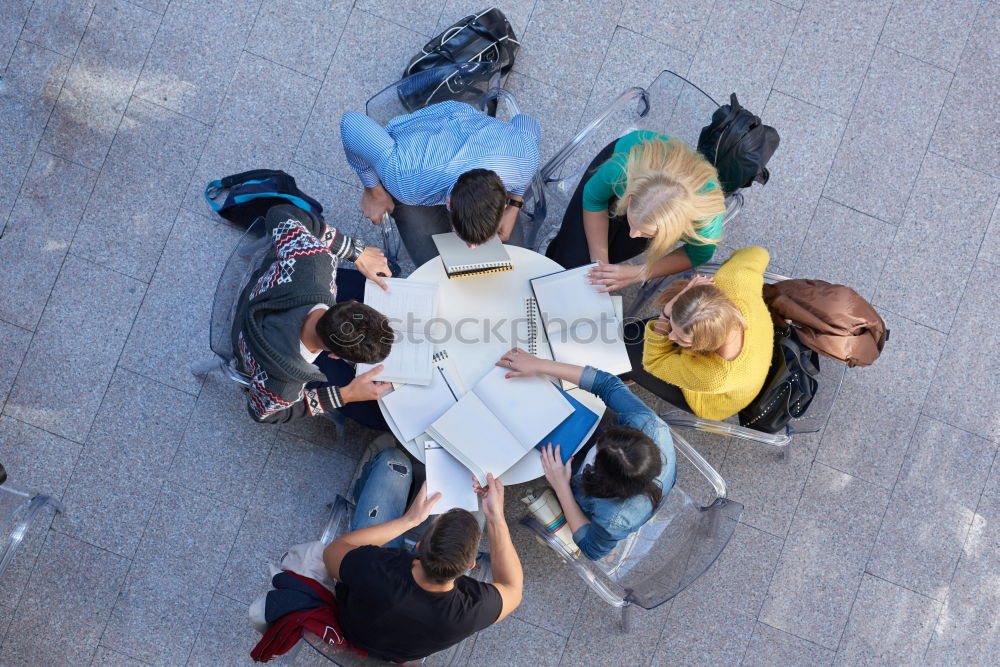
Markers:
{"x": 419, "y": 156}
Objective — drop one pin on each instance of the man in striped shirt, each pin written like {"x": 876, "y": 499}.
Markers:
{"x": 447, "y": 166}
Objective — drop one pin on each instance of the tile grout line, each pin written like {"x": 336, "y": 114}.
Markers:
{"x": 777, "y": 70}
{"x": 961, "y": 556}
{"x": 27, "y": 15}
{"x": 847, "y": 125}
{"x": 20, "y": 191}
{"x": 326, "y": 73}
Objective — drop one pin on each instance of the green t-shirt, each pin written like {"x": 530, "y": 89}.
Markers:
{"x": 609, "y": 182}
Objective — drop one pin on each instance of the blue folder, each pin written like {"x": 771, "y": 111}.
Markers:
{"x": 571, "y": 432}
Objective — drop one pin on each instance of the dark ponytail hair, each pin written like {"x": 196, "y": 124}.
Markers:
{"x": 627, "y": 464}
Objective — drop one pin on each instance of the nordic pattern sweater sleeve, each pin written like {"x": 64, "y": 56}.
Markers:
{"x": 289, "y": 238}
{"x": 294, "y": 232}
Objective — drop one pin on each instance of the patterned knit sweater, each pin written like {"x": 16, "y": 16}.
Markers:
{"x": 295, "y": 275}
{"x": 713, "y": 387}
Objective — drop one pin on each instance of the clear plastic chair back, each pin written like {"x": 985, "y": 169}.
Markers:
{"x": 462, "y": 82}
{"x": 671, "y": 105}
{"x": 243, "y": 261}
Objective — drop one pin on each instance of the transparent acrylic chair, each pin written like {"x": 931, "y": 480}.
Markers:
{"x": 476, "y": 84}
{"x": 18, "y": 511}
{"x": 667, "y": 554}
{"x": 830, "y": 378}
{"x": 243, "y": 262}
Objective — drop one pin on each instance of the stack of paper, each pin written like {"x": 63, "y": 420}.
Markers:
{"x": 447, "y": 476}
{"x": 461, "y": 260}
{"x": 413, "y": 407}
{"x": 410, "y": 306}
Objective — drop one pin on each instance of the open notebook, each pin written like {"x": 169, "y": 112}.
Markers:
{"x": 410, "y": 306}
{"x": 461, "y": 260}
{"x": 581, "y": 324}
{"x": 446, "y": 475}
{"x": 499, "y": 421}
{"x": 413, "y": 407}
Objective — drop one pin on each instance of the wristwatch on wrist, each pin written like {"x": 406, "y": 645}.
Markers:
{"x": 515, "y": 202}
{"x": 359, "y": 247}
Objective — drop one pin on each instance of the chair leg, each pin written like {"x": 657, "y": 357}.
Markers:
{"x": 201, "y": 368}
{"x": 626, "y": 619}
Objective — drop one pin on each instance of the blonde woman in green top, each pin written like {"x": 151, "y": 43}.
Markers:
{"x": 644, "y": 192}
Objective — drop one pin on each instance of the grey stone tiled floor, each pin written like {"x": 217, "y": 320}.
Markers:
{"x": 876, "y": 542}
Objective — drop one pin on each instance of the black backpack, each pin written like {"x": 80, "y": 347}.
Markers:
{"x": 739, "y": 146}
{"x": 789, "y": 388}
{"x": 252, "y": 193}
{"x": 485, "y": 38}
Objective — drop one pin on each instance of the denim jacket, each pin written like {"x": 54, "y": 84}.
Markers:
{"x": 613, "y": 519}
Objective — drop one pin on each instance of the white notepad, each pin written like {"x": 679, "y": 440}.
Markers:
{"x": 410, "y": 306}
{"x": 447, "y": 475}
{"x": 493, "y": 426}
{"x": 461, "y": 260}
{"x": 413, "y": 407}
{"x": 581, "y": 324}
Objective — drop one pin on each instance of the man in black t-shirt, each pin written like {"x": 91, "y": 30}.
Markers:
{"x": 399, "y": 606}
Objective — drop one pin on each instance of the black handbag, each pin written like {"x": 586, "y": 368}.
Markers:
{"x": 790, "y": 386}
{"x": 485, "y": 37}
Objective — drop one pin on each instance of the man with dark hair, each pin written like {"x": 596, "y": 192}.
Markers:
{"x": 399, "y": 606}
{"x": 299, "y": 322}
{"x": 413, "y": 166}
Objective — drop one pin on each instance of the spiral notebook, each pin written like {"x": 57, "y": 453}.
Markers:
{"x": 460, "y": 260}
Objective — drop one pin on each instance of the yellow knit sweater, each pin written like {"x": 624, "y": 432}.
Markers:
{"x": 713, "y": 387}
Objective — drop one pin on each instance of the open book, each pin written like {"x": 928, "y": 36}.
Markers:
{"x": 410, "y": 306}
{"x": 413, "y": 407}
{"x": 493, "y": 426}
{"x": 461, "y": 260}
{"x": 581, "y": 324}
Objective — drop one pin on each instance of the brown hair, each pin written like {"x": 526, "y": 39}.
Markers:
{"x": 478, "y": 200}
{"x": 449, "y": 545}
{"x": 355, "y": 332}
{"x": 627, "y": 464}
{"x": 703, "y": 312}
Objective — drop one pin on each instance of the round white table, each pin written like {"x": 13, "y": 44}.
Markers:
{"x": 465, "y": 305}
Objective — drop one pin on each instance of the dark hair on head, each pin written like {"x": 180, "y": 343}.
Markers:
{"x": 627, "y": 464}
{"x": 449, "y": 545}
{"x": 355, "y": 332}
{"x": 477, "y": 203}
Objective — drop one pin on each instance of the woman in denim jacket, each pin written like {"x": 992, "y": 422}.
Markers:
{"x": 625, "y": 475}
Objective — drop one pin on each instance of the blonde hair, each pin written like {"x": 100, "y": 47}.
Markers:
{"x": 704, "y": 312}
{"x": 663, "y": 184}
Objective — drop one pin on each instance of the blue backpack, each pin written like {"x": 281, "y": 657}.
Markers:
{"x": 252, "y": 193}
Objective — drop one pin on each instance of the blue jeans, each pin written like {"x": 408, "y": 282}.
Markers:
{"x": 382, "y": 490}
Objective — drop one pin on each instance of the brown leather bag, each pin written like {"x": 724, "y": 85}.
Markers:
{"x": 832, "y": 319}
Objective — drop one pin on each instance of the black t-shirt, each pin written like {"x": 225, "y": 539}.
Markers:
{"x": 382, "y": 610}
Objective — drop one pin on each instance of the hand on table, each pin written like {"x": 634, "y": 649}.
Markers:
{"x": 421, "y": 506}
{"x": 520, "y": 363}
{"x": 611, "y": 277}
{"x": 492, "y": 497}
{"x": 365, "y": 387}
{"x": 374, "y": 266}
{"x": 556, "y": 472}
{"x": 376, "y": 202}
